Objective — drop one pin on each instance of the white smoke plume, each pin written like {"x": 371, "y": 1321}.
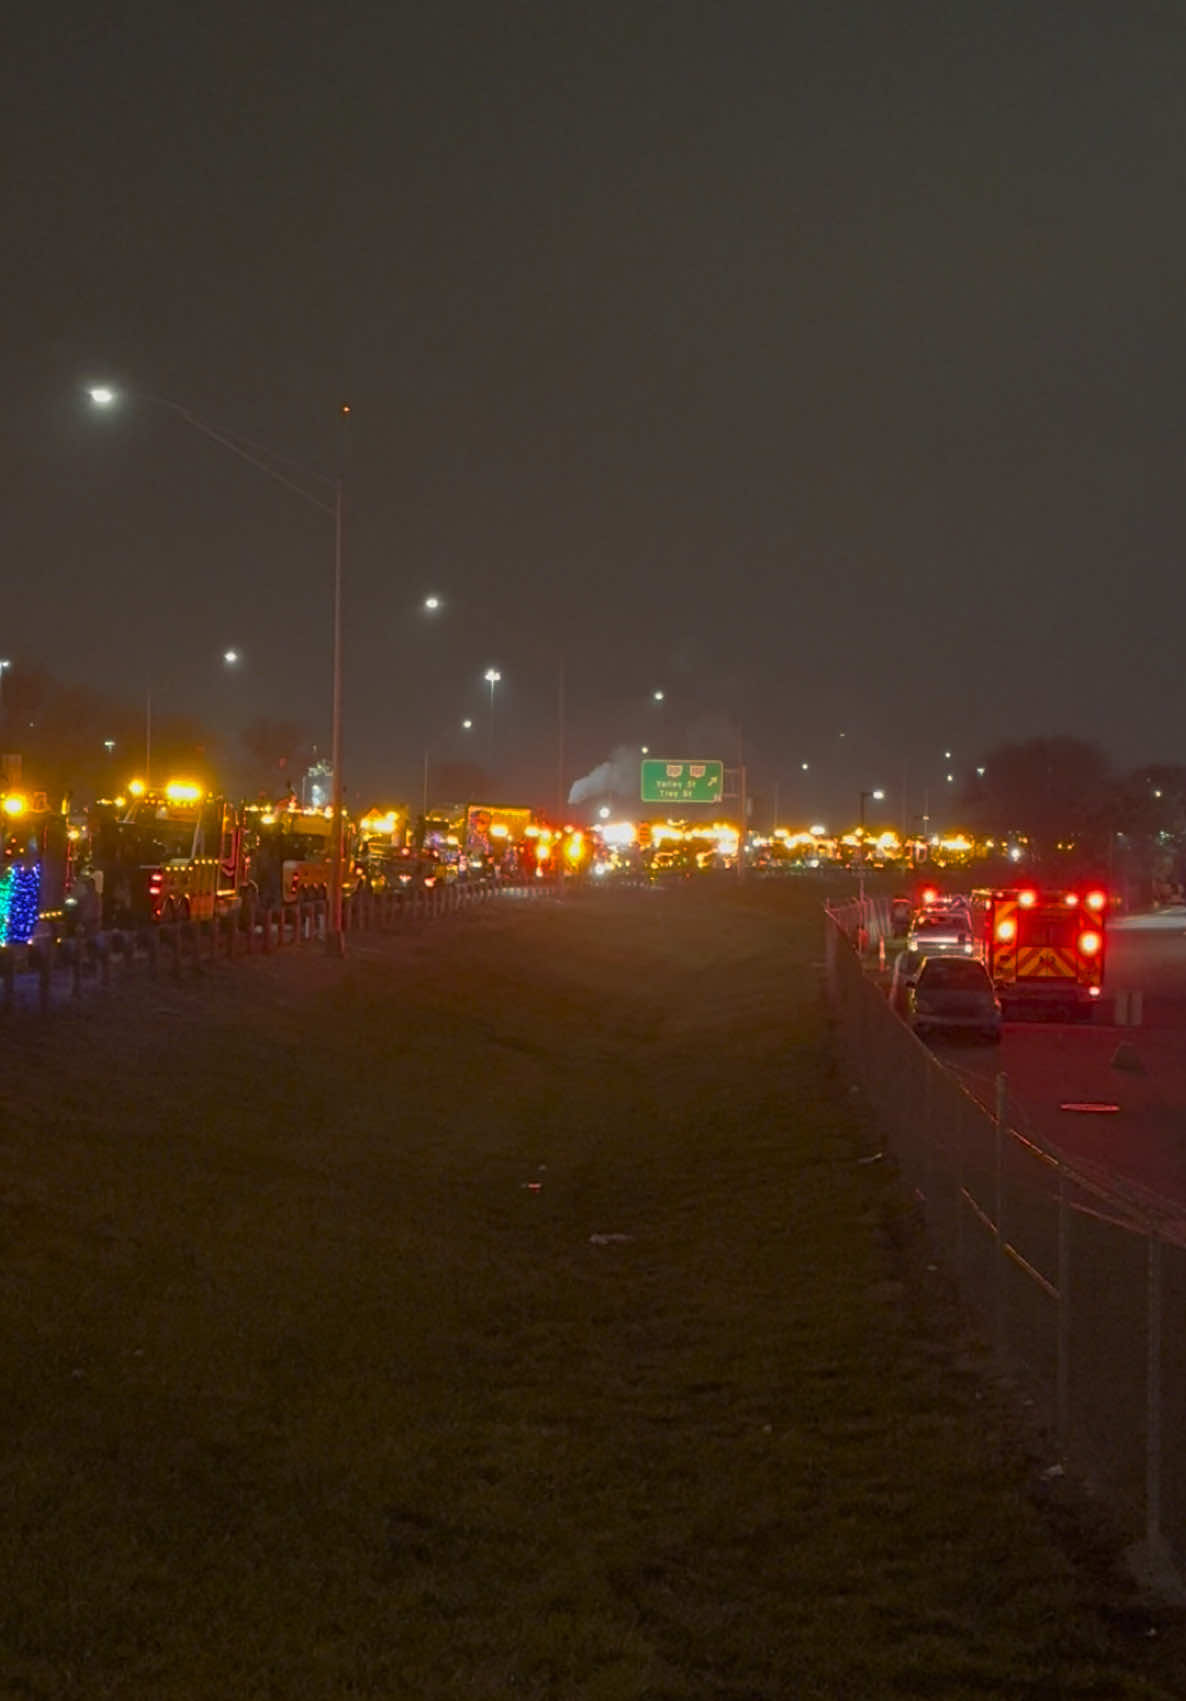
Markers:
{"x": 616, "y": 778}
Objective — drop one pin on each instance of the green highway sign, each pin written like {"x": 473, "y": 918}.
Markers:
{"x": 682, "y": 782}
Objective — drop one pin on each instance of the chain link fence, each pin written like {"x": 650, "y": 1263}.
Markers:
{"x": 1078, "y": 1278}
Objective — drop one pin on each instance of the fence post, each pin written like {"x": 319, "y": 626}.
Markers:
{"x": 1001, "y": 1120}
{"x": 1153, "y": 1396}
{"x": 1063, "y": 1395}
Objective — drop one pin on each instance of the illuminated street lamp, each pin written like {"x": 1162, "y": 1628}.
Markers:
{"x": 878, "y": 796}
{"x": 230, "y": 657}
{"x": 431, "y": 605}
{"x": 658, "y": 696}
{"x": 492, "y": 677}
{"x": 105, "y": 396}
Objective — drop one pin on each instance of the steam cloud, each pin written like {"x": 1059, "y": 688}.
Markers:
{"x": 616, "y": 778}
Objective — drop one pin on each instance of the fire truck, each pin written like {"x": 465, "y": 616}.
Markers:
{"x": 1043, "y": 948}
{"x": 175, "y": 855}
{"x": 289, "y": 852}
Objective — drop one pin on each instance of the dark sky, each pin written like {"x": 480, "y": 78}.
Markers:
{"x": 819, "y": 364}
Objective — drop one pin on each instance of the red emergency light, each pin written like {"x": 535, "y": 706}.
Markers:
{"x": 1089, "y": 943}
{"x": 1096, "y": 900}
{"x": 929, "y": 895}
{"x": 1006, "y": 929}
{"x": 1071, "y": 900}
{"x": 1027, "y": 899}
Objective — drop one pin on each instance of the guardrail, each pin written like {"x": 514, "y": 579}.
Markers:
{"x": 57, "y": 971}
{"x": 1081, "y": 1280}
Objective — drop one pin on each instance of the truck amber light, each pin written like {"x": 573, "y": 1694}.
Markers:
{"x": 1027, "y": 900}
{"x": 1089, "y": 944}
{"x": 1007, "y": 929}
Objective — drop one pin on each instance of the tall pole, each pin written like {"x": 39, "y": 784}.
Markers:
{"x": 148, "y": 740}
{"x": 561, "y": 752}
{"x": 742, "y": 802}
{"x": 490, "y": 734}
{"x": 336, "y": 940}
{"x": 424, "y": 796}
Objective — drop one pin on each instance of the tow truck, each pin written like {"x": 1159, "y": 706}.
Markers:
{"x": 1044, "y": 949}
{"x": 289, "y": 852}
{"x": 171, "y": 855}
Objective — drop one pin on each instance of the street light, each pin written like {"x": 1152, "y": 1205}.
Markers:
{"x": 658, "y": 696}
{"x": 105, "y": 396}
{"x": 878, "y": 796}
{"x": 431, "y": 605}
{"x": 465, "y": 727}
{"x": 230, "y": 657}
{"x": 492, "y": 677}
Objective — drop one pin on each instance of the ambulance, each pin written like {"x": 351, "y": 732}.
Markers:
{"x": 1043, "y": 948}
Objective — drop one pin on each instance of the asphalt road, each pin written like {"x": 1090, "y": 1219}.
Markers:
{"x": 1140, "y": 1137}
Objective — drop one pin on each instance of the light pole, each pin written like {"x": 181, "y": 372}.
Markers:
{"x": 877, "y": 795}
{"x": 434, "y": 604}
{"x": 105, "y": 396}
{"x": 492, "y": 677}
{"x": 466, "y": 726}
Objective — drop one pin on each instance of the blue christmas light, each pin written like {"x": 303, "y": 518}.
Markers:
{"x": 20, "y": 895}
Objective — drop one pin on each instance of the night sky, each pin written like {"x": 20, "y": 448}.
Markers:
{"x": 820, "y": 365}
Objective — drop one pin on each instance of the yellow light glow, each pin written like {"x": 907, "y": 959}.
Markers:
{"x": 183, "y": 791}
{"x": 379, "y": 823}
{"x": 498, "y": 831}
{"x": 575, "y": 848}
{"x": 121, "y": 803}
{"x": 136, "y": 787}
{"x": 14, "y": 805}
{"x": 268, "y": 819}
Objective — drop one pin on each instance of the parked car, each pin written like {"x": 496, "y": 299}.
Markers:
{"x": 934, "y": 931}
{"x": 953, "y": 995}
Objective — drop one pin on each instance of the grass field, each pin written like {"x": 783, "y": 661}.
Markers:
{"x": 318, "y": 1384}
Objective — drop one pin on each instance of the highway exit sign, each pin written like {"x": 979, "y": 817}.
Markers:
{"x": 682, "y": 782}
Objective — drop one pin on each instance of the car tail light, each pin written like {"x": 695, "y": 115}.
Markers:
{"x": 1027, "y": 900}
{"x": 1096, "y": 900}
{"x": 930, "y": 895}
{"x": 1089, "y": 944}
{"x": 1006, "y": 929}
